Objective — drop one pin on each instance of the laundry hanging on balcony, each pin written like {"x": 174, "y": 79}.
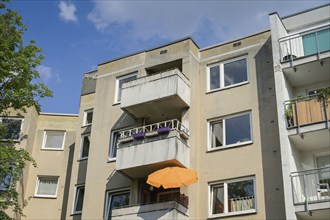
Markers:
{"x": 172, "y": 177}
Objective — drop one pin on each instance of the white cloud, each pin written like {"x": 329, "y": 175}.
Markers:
{"x": 177, "y": 19}
{"x": 67, "y": 11}
{"x": 45, "y": 72}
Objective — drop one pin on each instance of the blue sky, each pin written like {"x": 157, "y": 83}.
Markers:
{"x": 78, "y": 35}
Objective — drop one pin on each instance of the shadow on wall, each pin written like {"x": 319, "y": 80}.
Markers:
{"x": 270, "y": 144}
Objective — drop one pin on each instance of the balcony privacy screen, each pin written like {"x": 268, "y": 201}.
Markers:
{"x": 319, "y": 39}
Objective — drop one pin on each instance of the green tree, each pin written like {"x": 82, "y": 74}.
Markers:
{"x": 18, "y": 62}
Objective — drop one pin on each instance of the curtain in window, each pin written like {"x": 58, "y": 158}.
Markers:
{"x": 217, "y": 135}
{"x": 241, "y": 204}
{"x": 47, "y": 187}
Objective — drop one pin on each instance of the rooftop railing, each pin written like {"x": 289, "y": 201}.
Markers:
{"x": 307, "y": 110}
{"x": 154, "y": 130}
{"x": 312, "y": 42}
{"x": 311, "y": 186}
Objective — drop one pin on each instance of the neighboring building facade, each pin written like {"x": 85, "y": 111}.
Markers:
{"x": 301, "y": 53}
{"x": 216, "y": 110}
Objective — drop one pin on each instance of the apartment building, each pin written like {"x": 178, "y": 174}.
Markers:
{"x": 49, "y": 139}
{"x": 212, "y": 110}
{"x": 222, "y": 111}
{"x": 301, "y": 54}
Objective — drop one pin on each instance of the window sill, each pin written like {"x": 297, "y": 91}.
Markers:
{"x": 88, "y": 125}
{"x": 52, "y": 149}
{"x": 248, "y": 212}
{"x": 111, "y": 160}
{"x": 82, "y": 159}
{"x": 116, "y": 103}
{"x": 228, "y": 87}
{"x": 44, "y": 197}
{"x": 76, "y": 213}
{"x": 229, "y": 146}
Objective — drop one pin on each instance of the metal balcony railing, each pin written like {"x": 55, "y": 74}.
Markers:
{"x": 312, "y": 42}
{"x": 311, "y": 186}
{"x": 306, "y": 110}
{"x": 154, "y": 129}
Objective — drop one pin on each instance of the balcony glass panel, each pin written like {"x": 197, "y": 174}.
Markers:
{"x": 309, "y": 187}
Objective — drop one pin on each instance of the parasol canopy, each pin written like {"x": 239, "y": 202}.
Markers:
{"x": 172, "y": 177}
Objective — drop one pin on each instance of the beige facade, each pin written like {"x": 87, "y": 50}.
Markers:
{"x": 216, "y": 110}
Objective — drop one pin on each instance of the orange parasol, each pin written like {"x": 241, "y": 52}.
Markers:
{"x": 172, "y": 177}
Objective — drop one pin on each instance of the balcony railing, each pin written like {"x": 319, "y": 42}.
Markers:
{"x": 305, "y": 44}
{"x": 311, "y": 186}
{"x": 154, "y": 130}
{"x": 306, "y": 111}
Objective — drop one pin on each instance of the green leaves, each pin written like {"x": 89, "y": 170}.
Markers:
{"x": 18, "y": 64}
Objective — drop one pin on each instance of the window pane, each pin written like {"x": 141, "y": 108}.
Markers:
{"x": 79, "y": 199}
{"x": 47, "y": 186}
{"x": 214, "y": 77}
{"x": 235, "y": 72}
{"x": 89, "y": 117}
{"x": 218, "y": 199}
{"x": 13, "y": 128}
{"x": 238, "y": 129}
{"x": 114, "y": 142}
{"x": 117, "y": 201}
{"x": 121, "y": 82}
{"x": 241, "y": 196}
{"x": 5, "y": 181}
{"x": 85, "y": 147}
{"x": 54, "y": 139}
{"x": 216, "y": 134}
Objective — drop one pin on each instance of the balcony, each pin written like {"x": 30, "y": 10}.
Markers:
{"x": 148, "y": 148}
{"x": 165, "y": 210}
{"x": 299, "y": 52}
{"x": 307, "y": 120}
{"x": 311, "y": 192}
{"x": 160, "y": 96}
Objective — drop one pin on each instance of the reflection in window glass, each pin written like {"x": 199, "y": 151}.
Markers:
{"x": 114, "y": 141}
{"x": 116, "y": 201}
{"x": 13, "y": 126}
{"x": 85, "y": 147}
{"x": 233, "y": 196}
{"x": 120, "y": 85}
{"x": 238, "y": 129}
{"x": 214, "y": 77}
{"x": 216, "y": 134}
{"x": 235, "y": 72}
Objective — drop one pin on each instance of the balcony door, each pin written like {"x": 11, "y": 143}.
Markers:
{"x": 323, "y": 164}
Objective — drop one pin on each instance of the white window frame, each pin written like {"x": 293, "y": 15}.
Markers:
{"x": 21, "y": 128}
{"x": 38, "y": 183}
{"x": 82, "y": 146}
{"x": 117, "y": 92}
{"x": 85, "y": 117}
{"x": 45, "y": 140}
{"x": 225, "y": 187}
{"x": 111, "y": 144}
{"x": 109, "y": 195}
{"x": 221, "y": 68}
{"x": 223, "y": 119}
{"x": 75, "y": 199}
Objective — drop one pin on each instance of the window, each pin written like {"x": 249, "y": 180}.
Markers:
{"x": 230, "y": 131}
{"x": 120, "y": 82}
{"x": 79, "y": 199}
{"x": 227, "y": 74}
{"x": 14, "y": 126}
{"x": 53, "y": 140}
{"x": 115, "y": 135}
{"x": 88, "y": 117}
{"x": 85, "y": 142}
{"x": 46, "y": 187}
{"x": 6, "y": 179}
{"x": 116, "y": 200}
{"x": 233, "y": 197}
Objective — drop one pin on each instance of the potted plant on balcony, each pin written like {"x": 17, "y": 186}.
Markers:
{"x": 289, "y": 116}
{"x": 323, "y": 94}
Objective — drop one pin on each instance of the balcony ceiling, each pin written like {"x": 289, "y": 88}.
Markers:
{"x": 308, "y": 72}
{"x": 312, "y": 140}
